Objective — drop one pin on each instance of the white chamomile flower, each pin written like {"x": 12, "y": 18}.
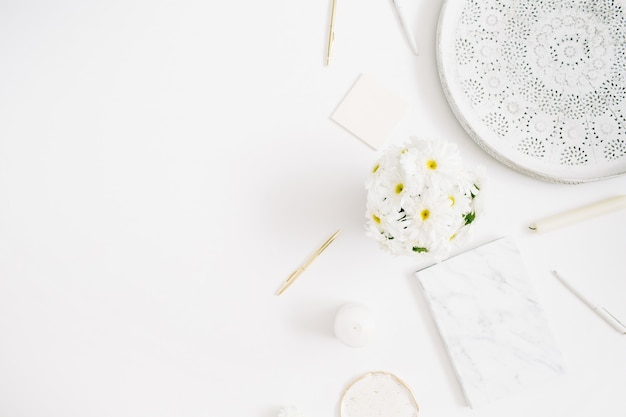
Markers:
{"x": 290, "y": 411}
{"x": 421, "y": 200}
{"x": 438, "y": 160}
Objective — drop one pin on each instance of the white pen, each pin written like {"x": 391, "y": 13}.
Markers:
{"x": 405, "y": 27}
{"x": 601, "y": 311}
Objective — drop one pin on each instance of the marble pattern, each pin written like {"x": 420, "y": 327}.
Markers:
{"x": 492, "y": 325}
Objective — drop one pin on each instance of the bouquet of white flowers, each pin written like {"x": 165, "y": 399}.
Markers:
{"x": 421, "y": 199}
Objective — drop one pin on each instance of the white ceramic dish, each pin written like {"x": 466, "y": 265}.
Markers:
{"x": 377, "y": 394}
{"x": 540, "y": 85}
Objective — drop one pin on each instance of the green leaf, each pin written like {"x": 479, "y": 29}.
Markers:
{"x": 419, "y": 249}
{"x": 472, "y": 195}
{"x": 469, "y": 217}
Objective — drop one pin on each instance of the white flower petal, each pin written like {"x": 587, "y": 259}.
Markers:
{"x": 420, "y": 198}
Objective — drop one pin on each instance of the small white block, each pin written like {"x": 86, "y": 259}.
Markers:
{"x": 370, "y": 112}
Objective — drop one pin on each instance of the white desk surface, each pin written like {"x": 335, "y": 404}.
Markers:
{"x": 164, "y": 165}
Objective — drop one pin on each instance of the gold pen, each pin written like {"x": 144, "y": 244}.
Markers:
{"x": 331, "y": 31}
{"x": 295, "y": 274}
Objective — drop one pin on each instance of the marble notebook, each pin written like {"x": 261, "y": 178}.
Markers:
{"x": 491, "y": 322}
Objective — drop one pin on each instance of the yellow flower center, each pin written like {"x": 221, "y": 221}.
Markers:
{"x": 399, "y": 188}
{"x": 452, "y": 200}
{"x": 375, "y": 168}
{"x": 376, "y": 219}
{"x": 453, "y": 236}
{"x": 425, "y": 214}
{"x": 431, "y": 164}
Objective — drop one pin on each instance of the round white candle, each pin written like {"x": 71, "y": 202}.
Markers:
{"x": 355, "y": 325}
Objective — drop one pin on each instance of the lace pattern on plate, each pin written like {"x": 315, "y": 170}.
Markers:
{"x": 547, "y": 79}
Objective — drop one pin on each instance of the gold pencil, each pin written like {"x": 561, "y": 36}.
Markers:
{"x": 295, "y": 274}
{"x": 331, "y": 31}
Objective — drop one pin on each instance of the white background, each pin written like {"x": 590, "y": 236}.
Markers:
{"x": 164, "y": 166}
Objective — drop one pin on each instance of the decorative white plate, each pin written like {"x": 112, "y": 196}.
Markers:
{"x": 540, "y": 85}
{"x": 377, "y": 394}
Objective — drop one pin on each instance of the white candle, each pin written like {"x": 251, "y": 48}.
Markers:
{"x": 578, "y": 214}
{"x": 355, "y": 325}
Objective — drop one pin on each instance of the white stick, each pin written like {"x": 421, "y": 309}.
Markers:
{"x": 599, "y": 310}
{"x": 578, "y": 214}
{"x": 405, "y": 27}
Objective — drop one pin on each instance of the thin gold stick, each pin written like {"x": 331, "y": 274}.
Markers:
{"x": 331, "y": 31}
{"x": 295, "y": 274}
